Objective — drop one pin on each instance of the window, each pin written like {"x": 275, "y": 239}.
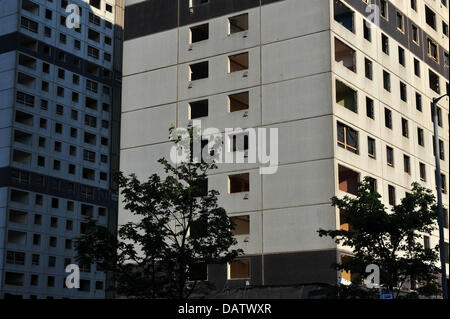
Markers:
{"x": 37, "y": 219}
{"x": 384, "y": 8}
{"x": 367, "y": 31}
{"x": 238, "y": 102}
{"x": 199, "y": 33}
{"x": 439, "y": 115}
{"x": 51, "y": 261}
{"x": 346, "y": 97}
{"x": 348, "y": 180}
{"x": 76, "y": 44}
{"x": 198, "y": 71}
{"x": 347, "y": 138}
{"x": 35, "y": 258}
{"x": 386, "y": 81}
{"x": 14, "y": 279}
{"x": 241, "y": 225}
{"x": 109, "y": 8}
{"x": 371, "y": 147}
{"x": 433, "y": 51}
{"x": 47, "y": 32}
{"x": 15, "y": 257}
{"x": 239, "y": 269}
{"x": 422, "y": 172}
{"x": 95, "y": 3}
{"x": 388, "y": 118}
{"x": 390, "y": 156}
{"x": 238, "y": 23}
{"x": 89, "y": 156}
{"x": 25, "y": 99}
{"x": 434, "y": 82}
{"x": 401, "y": 56}
{"x": 345, "y": 55}
{"x": 420, "y": 138}
{"x": 60, "y": 91}
{"x": 445, "y": 28}
{"x": 52, "y": 241}
{"x": 385, "y": 44}
{"x": 426, "y": 242}
{"x": 91, "y": 86}
{"x": 403, "y": 92}
{"x": 430, "y": 17}
{"x": 417, "y": 67}
{"x": 36, "y": 239}
{"x": 238, "y": 62}
{"x": 198, "y": 109}
{"x": 370, "y": 109}
{"x": 414, "y": 5}
{"x": 441, "y": 150}
{"x": 418, "y": 102}
{"x": 88, "y": 174}
{"x": 28, "y": 24}
{"x": 391, "y": 195}
{"x": 58, "y": 128}
{"x": 239, "y": 183}
{"x": 50, "y": 281}
{"x": 90, "y": 120}
{"x": 415, "y": 34}
{"x": 368, "y": 67}
{"x": 344, "y": 15}
{"x": 406, "y": 164}
{"x": 93, "y": 52}
{"x": 93, "y": 35}
{"x": 400, "y": 22}
{"x": 444, "y": 184}
{"x": 405, "y": 129}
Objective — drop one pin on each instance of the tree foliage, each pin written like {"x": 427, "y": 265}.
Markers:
{"x": 177, "y": 228}
{"x": 393, "y": 240}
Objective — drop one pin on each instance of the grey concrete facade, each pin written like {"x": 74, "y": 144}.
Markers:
{"x": 298, "y": 65}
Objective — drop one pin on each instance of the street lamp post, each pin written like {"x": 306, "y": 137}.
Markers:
{"x": 439, "y": 196}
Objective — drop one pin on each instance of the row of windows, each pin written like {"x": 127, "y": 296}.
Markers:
{"x": 24, "y": 158}
{"x": 400, "y": 21}
{"x": 348, "y": 138}
{"x": 91, "y": 51}
{"x": 55, "y": 185}
{"x": 345, "y": 16}
{"x": 18, "y": 279}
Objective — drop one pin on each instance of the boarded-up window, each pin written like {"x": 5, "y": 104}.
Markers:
{"x": 241, "y": 225}
{"x": 238, "y": 102}
{"x": 346, "y": 96}
{"x": 238, "y": 23}
{"x": 239, "y": 183}
{"x": 239, "y": 269}
{"x": 199, "y": 33}
{"x": 348, "y": 180}
{"x": 238, "y": 62}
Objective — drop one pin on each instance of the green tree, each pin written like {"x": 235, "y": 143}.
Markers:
{"x": 178, "y": 229}
{"x": 391, "y": 240}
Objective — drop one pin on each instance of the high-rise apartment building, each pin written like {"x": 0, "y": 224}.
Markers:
{"x": 348, "y": 86}
{"x": 59, "y": 125}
